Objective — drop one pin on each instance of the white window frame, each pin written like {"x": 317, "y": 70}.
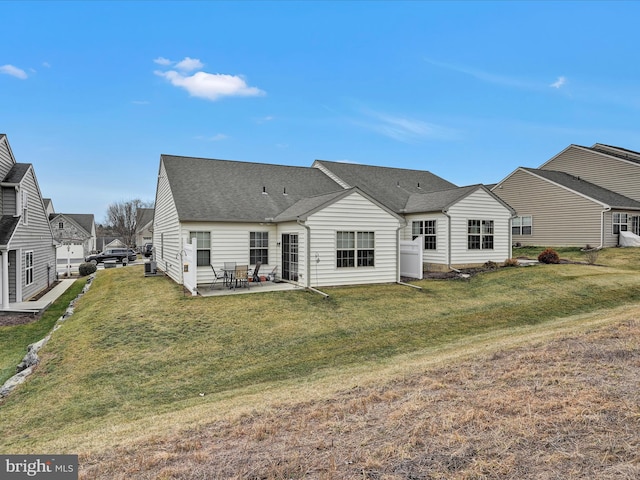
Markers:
{"x": 29, "y": 268}
{"x": 203, "y": 244}
{"x": 426, "y": 229}
{"x": 522, "y": 225}
{"x": 259, "y": 247}
{"x": 617, "y": 222}
{"x": 355, "y": 249}
{"x": 484, "y": 230}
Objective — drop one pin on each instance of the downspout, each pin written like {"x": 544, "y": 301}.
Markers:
{"x": 307, "y": 281}
{"x": 400, "y": 227}
{"x": 608, "y": 209}
{"x": 449, "y": 241}
{"x": 5, "y": 277}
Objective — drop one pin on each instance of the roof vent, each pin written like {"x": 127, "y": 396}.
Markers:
{"x": 264, "y": 190}
{"x": 284, "y": 191}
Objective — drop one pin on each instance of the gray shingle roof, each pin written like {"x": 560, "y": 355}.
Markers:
{"x": 223, "y": 190}
{"x": 16, "y": 173}
{"x": 8, "y": 224}
{"x": 612, "y": 199}
{"x": 437, "y": 201}
{"x": 144, "y": 216}
{"x": 617, "y": 152}
{"x": 390, "y": 186}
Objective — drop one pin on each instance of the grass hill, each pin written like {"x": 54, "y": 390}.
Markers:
{"x": 527, "y": 372}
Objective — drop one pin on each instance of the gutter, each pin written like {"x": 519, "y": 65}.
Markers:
{"x": 444, "y": 212}
{"x": 308, "y": 253}
{"x": 608, "y": 209}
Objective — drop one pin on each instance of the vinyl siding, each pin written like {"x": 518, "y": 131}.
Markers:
{"x": 34, "y": 236}
{"x": 9, "y": 201}
{"x": 166, "y": 229}
{"x": 352, "y": 213}
{"x": 440, "y": 255}
{"x": 479, "y": 205}
{"x": 615, "y": 174}
{"x": 560, "y": 217}
{"x": 230, "y": 242}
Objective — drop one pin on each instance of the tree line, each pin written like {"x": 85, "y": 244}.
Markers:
{"x": 122, "y": 220}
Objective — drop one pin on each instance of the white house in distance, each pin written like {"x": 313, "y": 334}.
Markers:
{"x": 329, "y": 224}
{"x": 76, "y": 237}
{"x": 27, "y": 250}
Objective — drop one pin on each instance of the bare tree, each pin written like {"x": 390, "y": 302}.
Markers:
{"x": 121, "y": 218}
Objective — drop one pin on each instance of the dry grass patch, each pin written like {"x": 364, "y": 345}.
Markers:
{"x": 566, "y": 408}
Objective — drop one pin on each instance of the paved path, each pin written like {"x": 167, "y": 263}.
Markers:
{"x": 43, "y": 302}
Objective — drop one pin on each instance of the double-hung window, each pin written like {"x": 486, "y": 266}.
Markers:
{"x": 426, "y": 229}
{"x": 28, "y": 268}
{"x": 521, "y": 225}
{"x": 203, "y": 247}
{"x": 355, "y": 249}
{"x": 480, "y": 234}
{"x": 620, "y": 222}
{"x": 258, "y": 247}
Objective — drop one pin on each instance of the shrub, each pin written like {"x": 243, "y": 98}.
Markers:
{"x": 511, "y": 262}
{"x": 591, "y": 254}
{"x": 549, "y": 256}
{"x": 491, "y": 265}
{"x": 86, "y": 269}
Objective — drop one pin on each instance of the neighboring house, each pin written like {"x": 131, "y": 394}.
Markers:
{"x": 584, "y": 196}
{"x": 111, "y": 242}
{"x": 322, "y": 225}
{"x": 26, "y": 241}
{"x": 75, "y": 234}
{"x": 144, "y": 226}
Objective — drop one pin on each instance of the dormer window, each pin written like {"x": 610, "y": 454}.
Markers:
{"x": 60, "y": 225}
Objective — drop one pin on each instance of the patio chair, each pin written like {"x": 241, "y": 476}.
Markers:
{"x": 241, "y": 276}
{"x": 255, "y": 277}
{"x": 217, "y": 276}
{"x": 229, "y": 269}
{"x": 271, "y": 276}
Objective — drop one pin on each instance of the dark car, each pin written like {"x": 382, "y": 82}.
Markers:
{"x": 133, "y": 255}
{"x": 117, "y": 254}
{"x": 147, "y": 249}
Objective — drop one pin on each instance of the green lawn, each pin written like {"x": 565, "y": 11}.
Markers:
{"x": 137, "y": 347}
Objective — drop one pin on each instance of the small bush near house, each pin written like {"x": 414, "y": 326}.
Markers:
{"x": 549, "y": 256}
{"x": 591, "y": 254}
{"x": 510, "y": 262}
{"x": 86, "y": 269}
{"x": 491, "y": 265}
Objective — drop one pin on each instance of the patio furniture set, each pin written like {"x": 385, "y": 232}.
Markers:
{"x": 233, "y": 275}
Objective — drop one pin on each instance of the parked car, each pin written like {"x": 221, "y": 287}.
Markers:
{"x": 117, "y": 254}
{"x": 147, "y": 249}
{"x": 133, "y": 255}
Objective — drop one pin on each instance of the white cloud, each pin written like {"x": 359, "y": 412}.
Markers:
{"x": 163, "y": 61}
{"x": 485, "y": 76}
{"x": 46, "y": 64}
{"x": 559, "y": 82}
{"x": 211, "y": 86}
{"x": 13, "y": 71}
{"x": 407, "y": 130}
{"x": 189, "y": 64}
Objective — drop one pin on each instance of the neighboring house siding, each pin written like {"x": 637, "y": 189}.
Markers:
{"x": 615, "y": 174}
{"x": 166, "y": 233}
{"x": 34, "y": 236}
{"x": 440, "y": 254}
{"x": 71, "y": 233}
{"x": 9, "y": 204}
{"x": 479, "y": 206}
{"x": 341, "y": 216}
{"x": 560, "y": 217}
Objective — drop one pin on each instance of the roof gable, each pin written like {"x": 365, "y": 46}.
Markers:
{"x": 85, "y": 221}
{"x": 16, "y": 173}
{"x": 223, "y": 190}
{"x": 584, "y": 188}
{"x": 390, "y": 186}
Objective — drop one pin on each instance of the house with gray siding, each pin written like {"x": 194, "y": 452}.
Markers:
{"x": 27, "y": 251}
{"x": 144, "y": 226}
{"x": 329, "y": 224}
{"x": 75, "y": 234}
{"x": 583, "y": 196}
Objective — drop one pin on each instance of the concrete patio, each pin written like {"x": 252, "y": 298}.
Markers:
{"x": 220, "y": 289}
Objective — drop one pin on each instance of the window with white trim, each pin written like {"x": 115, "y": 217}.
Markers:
{"x": 480, "y": 234}
{"x": 521, "y": 225}
{"x": 203, "y": 248}
{"x": 620, "y": 223}
{"x": 355, "y": 249}
{"x": 28, "y": 268}
{"x": 258, "y": 247}
{"x": 426, "y": 229}
{"x": 61, "y": 225}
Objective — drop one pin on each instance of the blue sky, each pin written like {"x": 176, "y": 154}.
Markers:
{"x": 92, "y": 93}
